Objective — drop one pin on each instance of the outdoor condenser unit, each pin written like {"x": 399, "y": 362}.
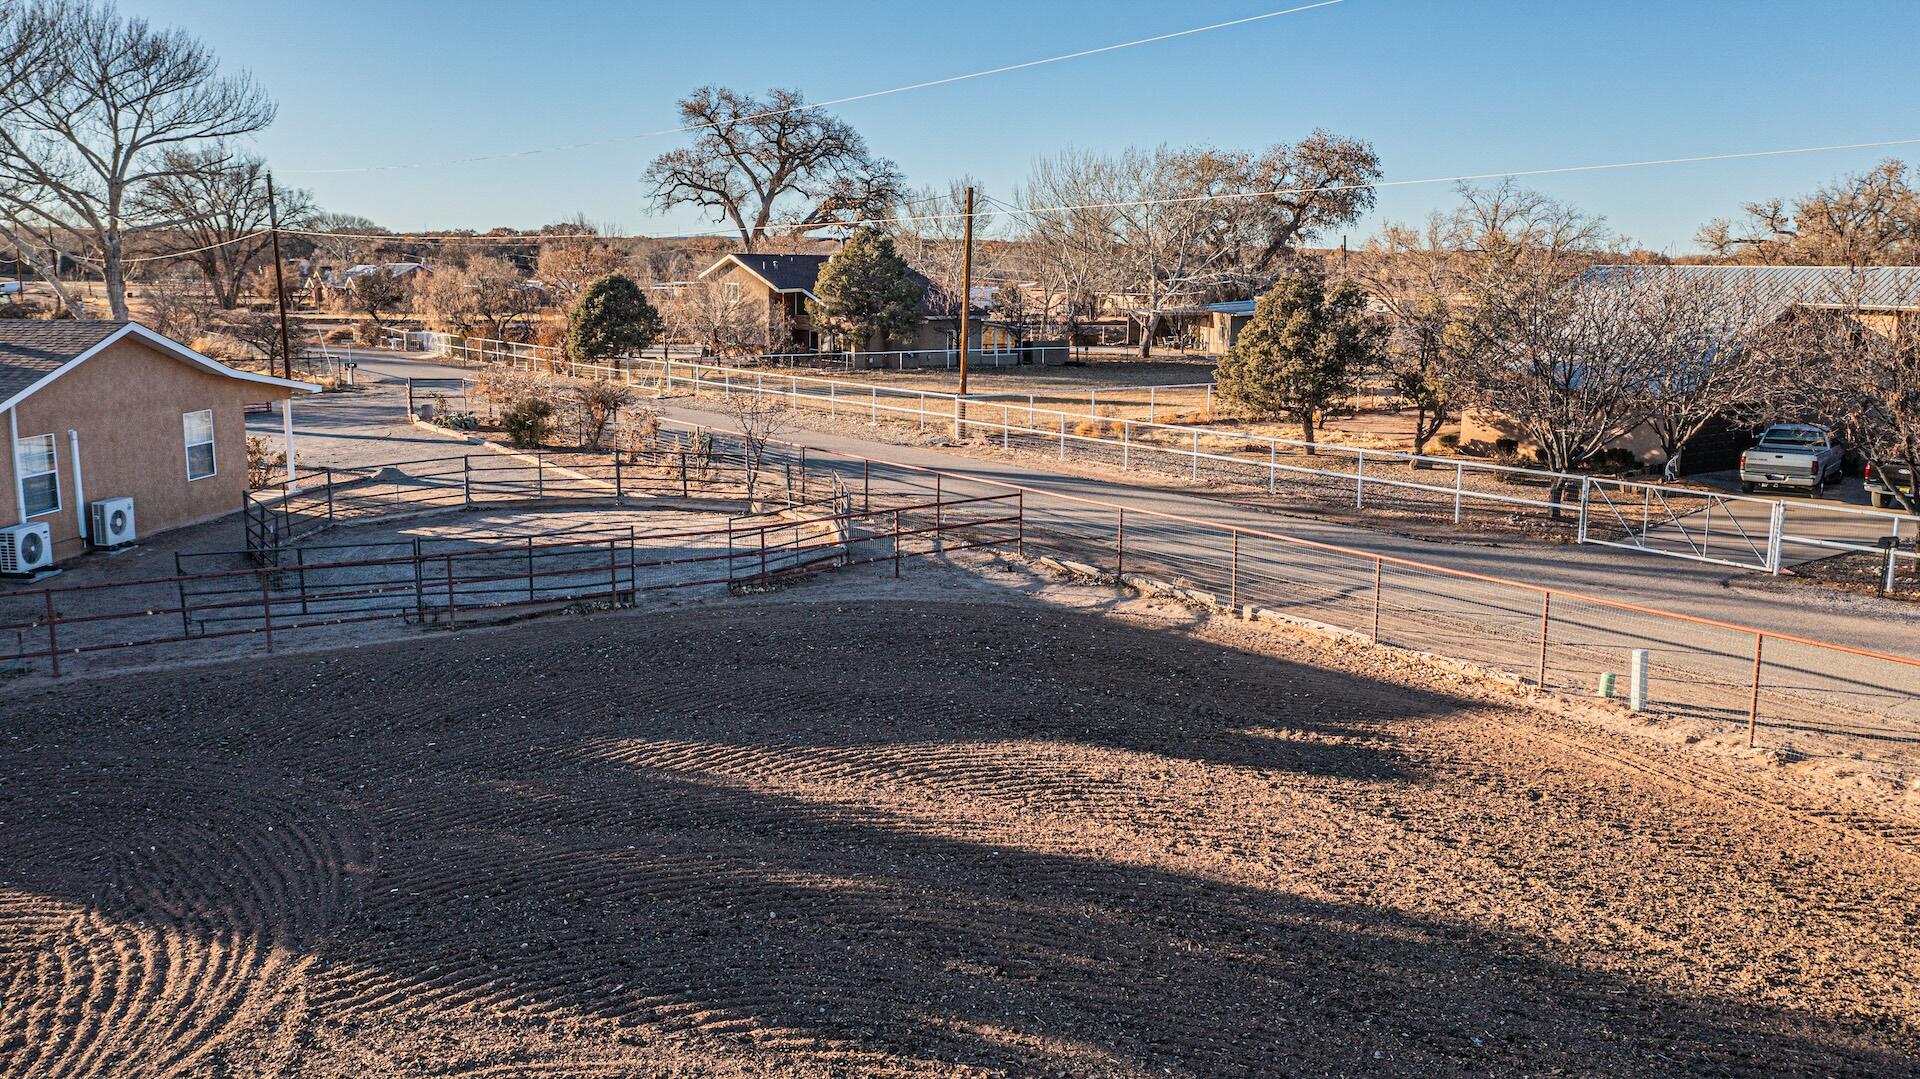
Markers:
{"x": 26, "y": 548}
{"x": 112, "y": 522}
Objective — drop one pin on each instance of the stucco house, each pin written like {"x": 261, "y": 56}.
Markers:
{"x": 1879, "y": 297}
{"x": 783, "y": 284}
{"x": 105, "y": 410}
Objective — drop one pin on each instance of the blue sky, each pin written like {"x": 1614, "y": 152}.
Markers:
{"x": 1440, "y": 88}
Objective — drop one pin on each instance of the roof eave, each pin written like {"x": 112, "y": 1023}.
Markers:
{"x": 164, "y": 344}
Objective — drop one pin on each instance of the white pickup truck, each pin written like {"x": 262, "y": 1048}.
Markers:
{"x": 1792, "y": 455}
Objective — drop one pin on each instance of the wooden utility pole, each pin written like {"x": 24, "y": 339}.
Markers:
{"x": 966, "y": 291}
{"x": 279, "y": 283}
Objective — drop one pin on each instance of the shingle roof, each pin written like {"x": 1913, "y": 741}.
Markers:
{"x": 1781, "y": 287}
{"x": 786, "y": 273}
{"x": 31, "y": 349}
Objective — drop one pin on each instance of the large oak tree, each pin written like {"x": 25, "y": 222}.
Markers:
{"x": 772, "y": 165}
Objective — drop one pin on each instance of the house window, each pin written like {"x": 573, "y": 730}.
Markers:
{"x": 199, "y": 427}
{"x": 39, "y": 471}
{"x": 733, "y": 292}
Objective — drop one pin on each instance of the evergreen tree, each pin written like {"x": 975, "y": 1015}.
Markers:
{"x": 866, "y": 290}
{"x": 1303, "y": 352}
{"x": 611, "y": 318}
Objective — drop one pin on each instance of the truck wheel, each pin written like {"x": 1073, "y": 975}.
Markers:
{"x": 1746, "y": 488}
{"x": 1820, "y": 485}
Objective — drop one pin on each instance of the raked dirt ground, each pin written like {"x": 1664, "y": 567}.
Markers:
{"x": 851, "y": 827}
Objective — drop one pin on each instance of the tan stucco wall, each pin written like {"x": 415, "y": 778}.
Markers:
{"x": 1480, "y": 430}
{"x": 127, "y": 404}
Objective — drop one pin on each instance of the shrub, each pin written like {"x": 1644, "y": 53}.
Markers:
{"x": 1506, "y": 447}
{"x": 1449, "y": 441}
{"x": 367, "y": 331}
{"x": 528, "y": 421}
{"x": 595, "y": 405}
{"x": 339, "y": 335}
{"x": 456, "y": 421}
{"x": 264, "y": 464}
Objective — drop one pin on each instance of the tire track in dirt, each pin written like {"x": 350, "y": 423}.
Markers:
{"x": 185, "y": 928}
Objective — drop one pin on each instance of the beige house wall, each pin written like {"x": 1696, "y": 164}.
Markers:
{"x": 128, "y": 405}
{"x": 1480, "y": 430}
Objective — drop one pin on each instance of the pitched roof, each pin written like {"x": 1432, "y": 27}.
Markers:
{"x": 1781, "y": 287}
{"x": 782, "y": 273}
{"x": 30, "y": 349}
{"x": 34, "y": 353}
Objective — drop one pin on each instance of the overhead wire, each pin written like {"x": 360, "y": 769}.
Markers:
{"x": 1030, "y": 211}
{"x": 867, "y": 96}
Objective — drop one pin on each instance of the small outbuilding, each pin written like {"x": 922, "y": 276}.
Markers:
{"x": 100, "y": 411}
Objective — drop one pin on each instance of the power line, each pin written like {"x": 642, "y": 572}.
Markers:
{"x": 869, "y": 95}
{"x": 1205, "y": 197}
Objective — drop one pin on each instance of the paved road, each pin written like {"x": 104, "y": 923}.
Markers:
{"x": 1702, "y": 671}
{"x": 1674, "y": 584}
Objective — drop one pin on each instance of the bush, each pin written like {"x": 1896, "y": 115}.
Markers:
{"x": 339, "y": 335}
{"x": 1506, "y": 447}
{"x": 1448, "y": 441}
{"x": 264, "y": 464}
{"x": 368, "y": 332}
{"x": 595, "y": 405}
{"x": 528, "y": 421}
{"x": 457, "y": 421}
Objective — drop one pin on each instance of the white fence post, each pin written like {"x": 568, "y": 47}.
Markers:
{"x": 1273, "y": 464}
{"x": 1459, "y": 488}
{"x": 1359, "y": 479}
{"x": 1126, "y": 440}
{"x": 1776, "y": 534}
{"x": 1586, "y": 491}
{"x": 1196, "y": 456}
{"x": 1063, "y": 435}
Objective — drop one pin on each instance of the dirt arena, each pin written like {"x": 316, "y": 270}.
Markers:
{"x": 803, "y": 835}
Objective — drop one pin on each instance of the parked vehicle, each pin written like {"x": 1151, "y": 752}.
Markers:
{"x": 1884, "y": 481}
{"x": 1792, "y": 455}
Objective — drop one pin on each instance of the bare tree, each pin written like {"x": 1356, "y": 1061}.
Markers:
{"x": 772, "y": 164}
{"x": 219, "y": 200}
{"x": 1697, "y": 331}
{"x": 376, "y": 293}
{"x": 567, "y": 265}
{"x": 1418, "y": 279}
{"x": 342, "y": 240}
{"x": 178, "y": 305}
{"x": 1865, "y": 219}
{"x": 931, "y": 233}
{"x": 1175, "y": 232}
{"x": 595, "y": 404}
{"x": 1853, "y": 361}
{"x": 260, "y": 331}
{"x": 1504, "y": 225}
{"x": 97, "y": 120}
{"x": 1558, "y": 362}
{"x": 487, "y": 297}
{"x": 760, "y": 419}
{"x": 723, "y": 323}
{"x": 1071, "y": 222}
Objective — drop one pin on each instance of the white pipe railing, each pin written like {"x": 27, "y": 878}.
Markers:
{"x": 993, "y": 413}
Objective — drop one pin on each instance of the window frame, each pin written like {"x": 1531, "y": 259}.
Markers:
{"x": 187, "y": 444}
{"x": 20, "y": 474}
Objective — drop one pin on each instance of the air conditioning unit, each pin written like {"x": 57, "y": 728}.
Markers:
{"x": 112, "y": 522}
{"x": 26, "y": 549}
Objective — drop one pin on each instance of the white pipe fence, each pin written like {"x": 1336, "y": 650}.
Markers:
{"x": 1738, "y": 531}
